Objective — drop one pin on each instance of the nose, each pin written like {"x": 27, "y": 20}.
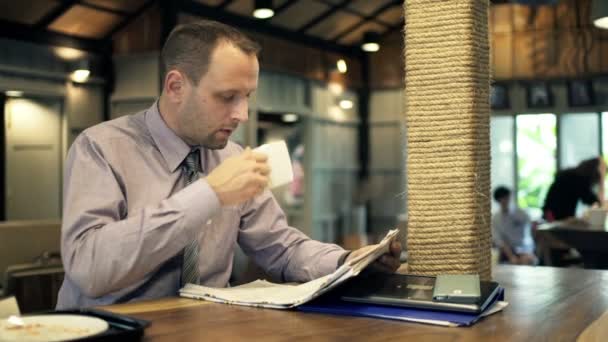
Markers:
{"x": 240, "y": 112}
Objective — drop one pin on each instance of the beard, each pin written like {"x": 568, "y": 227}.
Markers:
{"x": 199, "y": 129}
{"x": 214, "y": 143}
{"x": 197, "y": 135}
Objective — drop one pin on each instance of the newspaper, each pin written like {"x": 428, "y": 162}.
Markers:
{"x": 261, "y": 293}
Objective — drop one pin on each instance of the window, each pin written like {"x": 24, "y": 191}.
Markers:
{"x": 503, "y": 158}
{"x": 536, "y": 153}
{"x": 605, "y": 135}
{"x": 578, "y": 138}
{"x": 526, "y": 160}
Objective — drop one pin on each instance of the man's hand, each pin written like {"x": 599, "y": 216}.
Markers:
{"x": 527, "y": 259}
{"x": 514, "y": 260}
{"x": 388, "y": 262}
{"x": 240, "y": 178}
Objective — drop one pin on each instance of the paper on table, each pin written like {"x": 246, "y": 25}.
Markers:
{"x": 261, "y": 292}
{"x": 282, "y": 296}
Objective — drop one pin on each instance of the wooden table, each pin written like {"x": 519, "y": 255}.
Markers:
{"x": 545, "y": 304}
{"x": 590, "y": 242}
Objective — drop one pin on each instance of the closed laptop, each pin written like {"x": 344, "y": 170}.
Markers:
{"x": 410, "y": 291}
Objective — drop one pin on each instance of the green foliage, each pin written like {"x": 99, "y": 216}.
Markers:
{"x": 536, "y": 148}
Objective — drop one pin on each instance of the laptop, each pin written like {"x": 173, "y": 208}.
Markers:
{"x": 410, "y": 291}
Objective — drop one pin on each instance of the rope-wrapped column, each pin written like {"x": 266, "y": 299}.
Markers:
{"x": 448, "y": 155}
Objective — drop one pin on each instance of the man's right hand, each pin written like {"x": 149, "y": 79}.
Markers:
{"x": 240, "y": 178}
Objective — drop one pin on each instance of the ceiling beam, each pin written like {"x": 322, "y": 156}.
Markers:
{"x": 224, "y": 4}
{"x": 15, "y": 31}
{"x": 284, "y": 6}
{"x": 57, "y": 12}
{"x": 395, "y": 28}
{"x": 368, "y": 18}
{"x": 129, "y": 19}
{"x": 329, "y": 12}
{"x": 356, "y": 12}
{"x": 104, "y": 9}
{"x": 247, "y": 23}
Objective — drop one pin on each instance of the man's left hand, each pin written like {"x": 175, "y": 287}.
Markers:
{"x": 388, "y": 262}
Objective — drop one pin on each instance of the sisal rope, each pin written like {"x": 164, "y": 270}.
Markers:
{"x": 448, "y": 129}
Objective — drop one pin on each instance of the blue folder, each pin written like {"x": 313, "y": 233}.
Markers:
{"x": 335, "y": 306}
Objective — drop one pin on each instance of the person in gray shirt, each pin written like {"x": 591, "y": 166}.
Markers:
{"x": 161, "y": 198}
{"x": 511, "y": 231}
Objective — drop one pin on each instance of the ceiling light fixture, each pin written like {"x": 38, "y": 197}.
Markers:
{"x": 341, "y": 65}
{"x": 335, "y": 88}
{"x": 68, "y": 54}
{"x": 289, "y": 117}
{"x": 371, "y": 41}
{"x": 263, "y": 9}
{"x": 599, "y": 13}
{"x": 346, "y": 104}
{"x": 13, "y": 93}
{"x": 81, "y": 72}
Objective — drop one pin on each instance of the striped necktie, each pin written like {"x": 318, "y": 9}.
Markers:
{"x": 190, "y": 168}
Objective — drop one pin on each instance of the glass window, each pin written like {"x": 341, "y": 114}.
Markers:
{"x": 536, "y": 148}
{"x": 605, "y": 135}
{"x": 503, "y": 158}
{"x": 605, "y": 144}
{"x": 578, "y": 138}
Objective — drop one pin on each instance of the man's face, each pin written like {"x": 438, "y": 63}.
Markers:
{"x": 213, "y": 109}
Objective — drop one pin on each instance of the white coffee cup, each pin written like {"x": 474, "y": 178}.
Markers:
{"x": 281, "y": 172}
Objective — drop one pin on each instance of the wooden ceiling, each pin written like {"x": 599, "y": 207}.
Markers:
{"x": 333, "y": 25}
{"x": 341, "y": 22}
{"x": 87, "y": 18}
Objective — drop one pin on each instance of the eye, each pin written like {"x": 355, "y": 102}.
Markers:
{"x": 228, "y": 97}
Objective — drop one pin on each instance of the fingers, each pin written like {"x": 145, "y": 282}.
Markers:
{"x": 261, "y": 168}
{"x": 258, "y": 161}
{"x": 259, "y": 157}
{"x": 386, "y": 264}
{"x": 257, "y": 184}
{"x": 258, "y": 166}
{"x": 250, "y": 154}
{"x": 395, "y": 249}
{"x": 391, "y": 262}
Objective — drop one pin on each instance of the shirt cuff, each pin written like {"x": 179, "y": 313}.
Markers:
{"x": 330, "y": 261}
{"x": 343, "y": 258}
{"x": 199, "y": 202}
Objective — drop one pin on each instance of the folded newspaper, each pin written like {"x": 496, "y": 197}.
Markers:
{"x": 261, "y": 293}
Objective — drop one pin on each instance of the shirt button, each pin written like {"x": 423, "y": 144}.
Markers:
{"x": 209, "y": 222}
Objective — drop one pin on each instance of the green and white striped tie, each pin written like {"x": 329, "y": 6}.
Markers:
{"x": 191, "y": 167}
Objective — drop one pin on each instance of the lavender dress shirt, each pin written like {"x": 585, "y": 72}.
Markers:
{"x": 128, "y": 216}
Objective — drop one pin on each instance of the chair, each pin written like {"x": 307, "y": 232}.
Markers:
{"x": 35, "y": 285}
{"x": 30, "y": 266}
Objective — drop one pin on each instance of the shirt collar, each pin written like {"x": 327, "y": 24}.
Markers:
{"x": 173, "y": 149}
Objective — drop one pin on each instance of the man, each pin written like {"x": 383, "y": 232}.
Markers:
{"x": 140, "y": 220}
{"x": 511, "y": 231}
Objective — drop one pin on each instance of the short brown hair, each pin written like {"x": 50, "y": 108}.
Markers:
{"x": 189, "y": 46}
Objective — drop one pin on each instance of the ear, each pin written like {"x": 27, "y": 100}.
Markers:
{"x": 176, "y": 86}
